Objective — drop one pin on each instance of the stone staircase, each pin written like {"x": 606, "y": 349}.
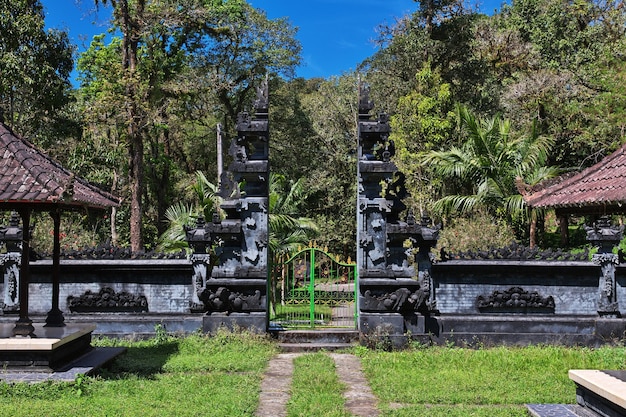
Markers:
{"x": 316, "y": 340}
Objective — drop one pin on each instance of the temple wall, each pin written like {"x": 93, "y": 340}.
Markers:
{"x": 167, "y": 284}
{"x": 573, "y": 285}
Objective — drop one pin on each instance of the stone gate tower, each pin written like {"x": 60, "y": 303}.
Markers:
{"x": 230, "y": 254}
{"x": 394, "y": 284}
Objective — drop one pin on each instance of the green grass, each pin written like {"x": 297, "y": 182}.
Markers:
{"x": 315, "y": 388}
{"x": 479, "y": 382}
{"x": 192, "y": 376}
{"x": 221, "y": 376}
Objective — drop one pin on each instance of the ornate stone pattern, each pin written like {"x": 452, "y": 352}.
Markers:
{"x": 402, "y": 299}
{"x": 224, "y": 299}
{"x": 515, "y": 300}
{"x": 107, "y": 300}
{"x": 605, "y": 236}
{"x": 393, "y": 249}
{"x": 230, "y": 253}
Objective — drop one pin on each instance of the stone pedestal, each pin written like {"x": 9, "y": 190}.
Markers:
{"x": 253, "y": 322}
{"x": 603, "y": 393}
{"x": 48, "y": 349}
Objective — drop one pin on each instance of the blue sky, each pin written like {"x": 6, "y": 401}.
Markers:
{"x": 336, "y": 35}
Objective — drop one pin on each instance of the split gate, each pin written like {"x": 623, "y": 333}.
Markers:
{"x": 313, "y": 289}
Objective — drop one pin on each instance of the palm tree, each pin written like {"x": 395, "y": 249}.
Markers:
{"x": 287, "y": 230}
{"x": 488, "y": 164}
{"x": 183, "y": 214}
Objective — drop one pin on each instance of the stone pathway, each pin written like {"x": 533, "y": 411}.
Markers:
{"x": 360, "y": 401}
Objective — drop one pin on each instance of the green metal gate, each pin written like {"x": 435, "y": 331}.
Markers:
{"x": 313, "y": 289}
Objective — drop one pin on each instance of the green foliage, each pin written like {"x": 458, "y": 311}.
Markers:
{"x": 480, "y": 231}
{"x": 77, "y": 231}
{"x": 487, "y": 166}
{"x": 181, "y": 214}
{"x": 325, "y": 156}
{"x": 287, "y": 229}
{"x": 423, "y": 121}
{"x": 35, "y": 65}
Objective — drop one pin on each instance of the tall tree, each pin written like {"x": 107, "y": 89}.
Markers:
{"x": 185, "y": 66}
{"x": 35, "y": 65}
{"x": 154, "y": 34}
{"x": 424, "y": 120}
{"x": 572, "y": 86}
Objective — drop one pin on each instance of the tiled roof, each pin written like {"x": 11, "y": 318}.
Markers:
{"x": 600, "y": 188}
{"x": 30, "y": 177}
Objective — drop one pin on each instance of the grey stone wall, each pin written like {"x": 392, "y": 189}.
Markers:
{"x": 167, "y": 284}
{"x": 573, "y": 285}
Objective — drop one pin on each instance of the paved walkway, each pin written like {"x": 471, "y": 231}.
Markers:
{"x": 360, "y": 401}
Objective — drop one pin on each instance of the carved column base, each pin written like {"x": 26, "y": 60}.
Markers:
{"x": 55, "y": 318}
{"x": 609, "y": 311}
{"x": 24, "y": 327}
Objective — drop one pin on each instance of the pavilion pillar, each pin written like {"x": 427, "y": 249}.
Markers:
{"x": 564, "y": 229}
{"x": 24, "y": 325}
{"x": 55, "y": 316}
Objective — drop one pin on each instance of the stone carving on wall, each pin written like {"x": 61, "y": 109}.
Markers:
{"x": 515, "y": 300}
{"x": 10, "y": 270}
{"x": 224, "y": 299}
{"x": 402, "y": 299}
{"x": 11, "y": 238}
{"x": 107, "y": 300}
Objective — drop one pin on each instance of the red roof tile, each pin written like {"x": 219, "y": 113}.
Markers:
{"x": 28, "y": 176}
{"x": 600, "y": 188}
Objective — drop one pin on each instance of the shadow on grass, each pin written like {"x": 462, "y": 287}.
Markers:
{"x": 143, "y": 360}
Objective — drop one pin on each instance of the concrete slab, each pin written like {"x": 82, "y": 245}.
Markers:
{"x": 85, "y": 365}
{"x": 44, "y": 338}
{"x": 602, "y": 385}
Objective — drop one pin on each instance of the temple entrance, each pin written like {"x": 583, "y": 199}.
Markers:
{"x": 312, "y": 289}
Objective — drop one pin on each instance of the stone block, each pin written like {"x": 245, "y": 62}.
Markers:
{"x": 255, "y": 323}
{"x": 381, "y": 323}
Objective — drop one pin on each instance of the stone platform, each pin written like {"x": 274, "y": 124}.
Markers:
{"x": 598, "y": 394}
{"x": 48, "y": 349}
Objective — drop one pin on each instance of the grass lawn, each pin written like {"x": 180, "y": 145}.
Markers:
{"x": 494, "y": 382}
{"x": 221, "y": 376}
{"x": 192, "y": 376}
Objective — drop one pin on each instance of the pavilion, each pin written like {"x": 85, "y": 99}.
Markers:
{"x": 596, "y": 191}
{"x": 32, "y": 181}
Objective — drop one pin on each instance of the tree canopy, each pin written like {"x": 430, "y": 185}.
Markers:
{"x": 475, "y": 101}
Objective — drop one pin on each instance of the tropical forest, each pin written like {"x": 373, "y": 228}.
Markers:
{"x": 478, "y": 104}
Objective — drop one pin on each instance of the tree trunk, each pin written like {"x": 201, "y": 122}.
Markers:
{"x": 130, "y": 29}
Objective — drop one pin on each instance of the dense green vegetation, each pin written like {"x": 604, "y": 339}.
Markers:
{"x": 221, "y": 376}
{"x": 542, "y": 80}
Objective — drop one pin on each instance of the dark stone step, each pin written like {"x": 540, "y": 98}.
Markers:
{"x": 558, "y": 410}
{"x": 328, "y": 336}
{"x": 313, "y": 347}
